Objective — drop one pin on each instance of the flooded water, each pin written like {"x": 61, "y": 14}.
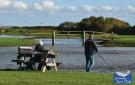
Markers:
{"x": 63, "y": 41}
{"x": 11, "y": 36}
{"x": 49, "y": 41}
{"x": 16, "y": 36}
{"x": 72, "y": 58}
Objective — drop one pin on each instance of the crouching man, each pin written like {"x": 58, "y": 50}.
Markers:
{"x": 40, "y": 55}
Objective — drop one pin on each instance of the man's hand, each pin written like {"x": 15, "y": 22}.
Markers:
{"x": 50, "y": 52}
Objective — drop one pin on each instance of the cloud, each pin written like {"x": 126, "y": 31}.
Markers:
{"x": 37, "y": 6}
{"x": 108, "y": 8}
{"x": 50, "y": 6}
{"x": 46, "y": 5}
{"x": 102, "y": 8}
{"x": 20, "y": 5}
{"x": 88, "y": 8}
{"x": 70, "y": 9}
{"x": 5, "y": 3}
{"x": 131, "y": 8}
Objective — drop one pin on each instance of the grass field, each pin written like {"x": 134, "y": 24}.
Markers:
{"x": 55, "y": 78}
{"x": 5, "y": 42}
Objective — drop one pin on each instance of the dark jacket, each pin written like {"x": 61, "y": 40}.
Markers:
{"x": 39, "y": 48}
{"x": 90, "y": 47}
{"x": 40, "y": 56}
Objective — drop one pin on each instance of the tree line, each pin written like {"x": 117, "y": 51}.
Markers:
{"x": 100, "y": 24}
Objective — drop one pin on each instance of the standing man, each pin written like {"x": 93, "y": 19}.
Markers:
{"x": 90, "y": 49}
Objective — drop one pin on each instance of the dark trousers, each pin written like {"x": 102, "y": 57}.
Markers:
{"x": 89, "y": 62}
{"x": 40, "y": 66}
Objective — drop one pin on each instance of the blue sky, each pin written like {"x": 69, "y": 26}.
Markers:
{"x": 54, "y": 12}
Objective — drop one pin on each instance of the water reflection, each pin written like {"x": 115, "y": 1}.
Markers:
{"x": 11, "y": 36}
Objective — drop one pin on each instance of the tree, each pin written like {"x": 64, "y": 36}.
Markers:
{"x": 68, "y": 26}
{"x": 132, "y": 30}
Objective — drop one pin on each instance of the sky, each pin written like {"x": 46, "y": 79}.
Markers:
{"x": 54, "y": 12}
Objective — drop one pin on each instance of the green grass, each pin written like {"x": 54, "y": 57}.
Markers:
{"x": 5, "y": 42}
{"x": 55, "y": 78}
{"x": 124, "y": 40}
{"x": 121, "y": 41}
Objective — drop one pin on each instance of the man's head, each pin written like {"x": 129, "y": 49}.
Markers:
{"x": 40, "y": 42}
{"x": 90, "y": 36}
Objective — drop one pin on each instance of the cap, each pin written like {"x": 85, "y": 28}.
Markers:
{"x": 40, "y": 42}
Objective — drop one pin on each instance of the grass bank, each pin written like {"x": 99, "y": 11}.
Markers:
{"x": 122, "y": 41}
{"x": 125, "y": 40}
{"x": 55, "y": 78}
{"x": 5, "y": 42}
{"x": 118, "y": 41}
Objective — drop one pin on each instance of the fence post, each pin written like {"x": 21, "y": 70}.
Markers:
{"x": 83, "y": 37}
{"x": 0, "y": 31}
{"x": 53, "y": 38}
{"x": 112, "y": 36}
{"x": 68, "y": 34}
{"x": 43, "y": 33}
{"x": 93, "y": 35}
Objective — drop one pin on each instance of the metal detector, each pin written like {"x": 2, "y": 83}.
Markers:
{"x": 102, "y": 58}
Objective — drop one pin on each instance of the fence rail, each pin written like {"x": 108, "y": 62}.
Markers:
{"x": 79, "y": 34}
{"x": 83, "y": 35}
